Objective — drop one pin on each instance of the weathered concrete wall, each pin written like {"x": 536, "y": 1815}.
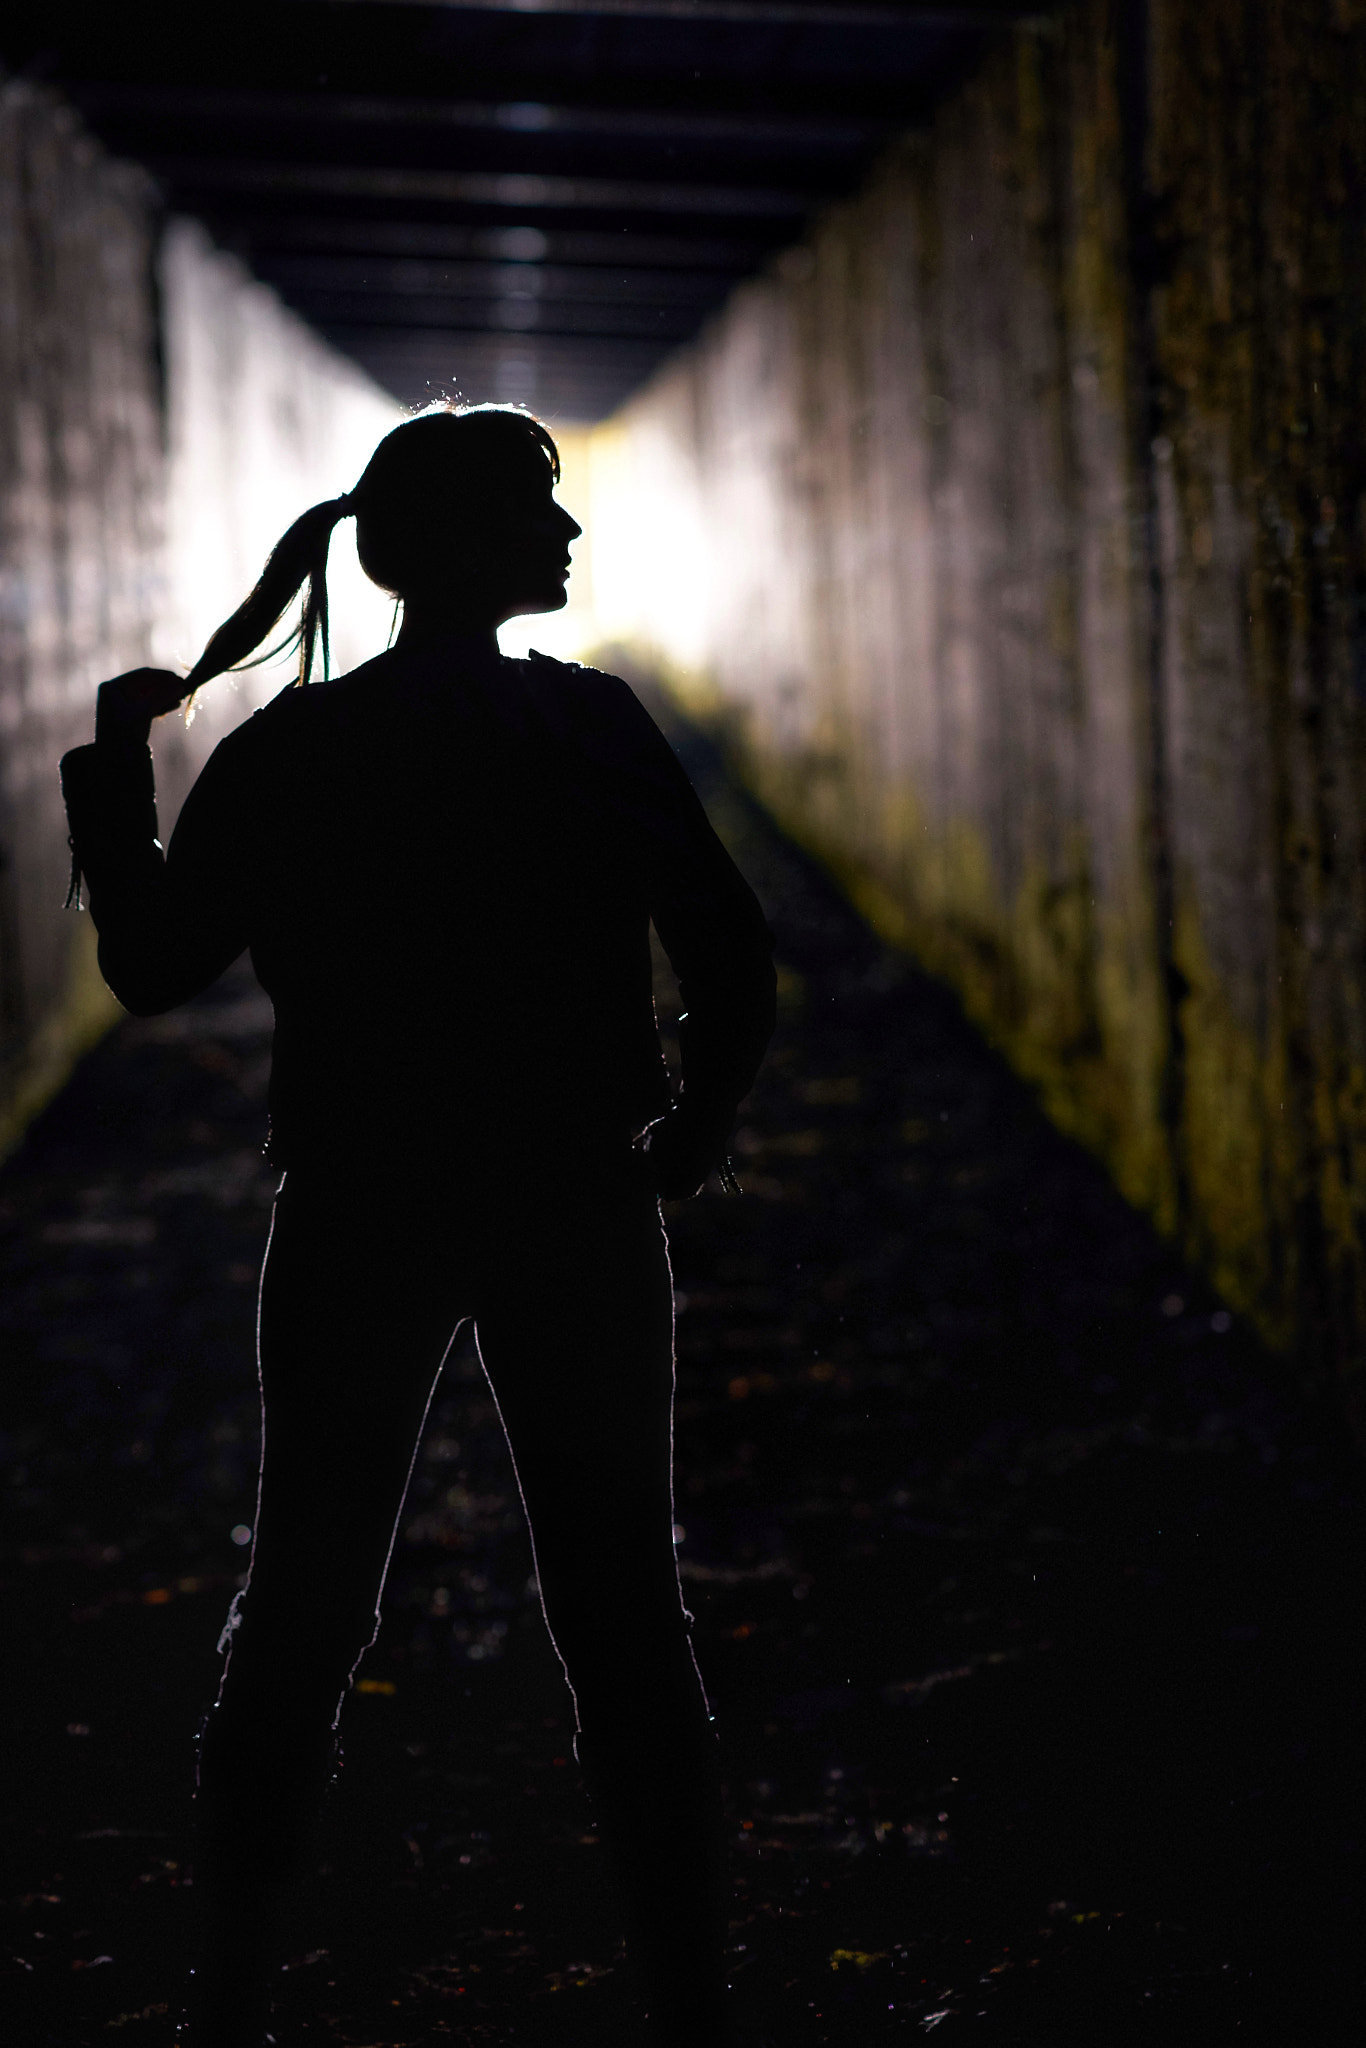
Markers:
{"x": 162, "y": 419}
{"x": 80, "y": 536}
{"x": 1015, "y": 525}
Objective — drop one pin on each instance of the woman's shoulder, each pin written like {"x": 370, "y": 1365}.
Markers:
{"x": 297, "y": 708}
{"x": 326, "y": 694}
{"x": 571, "y": 675}
{"x": 602, "y": 713}
{"x": 577, "y": 691}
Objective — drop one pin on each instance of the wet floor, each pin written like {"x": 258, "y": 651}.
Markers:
{"x": 1028, "y": 1592}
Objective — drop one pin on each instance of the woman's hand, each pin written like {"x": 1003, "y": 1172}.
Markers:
{"x": 126, "y": 705}
{"x": 681, "y": 1149}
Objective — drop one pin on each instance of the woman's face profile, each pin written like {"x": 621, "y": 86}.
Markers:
{"x": 524, "y": 561}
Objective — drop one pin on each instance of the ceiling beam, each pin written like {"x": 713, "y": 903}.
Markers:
{"x": 414, "y": 277}
{"x": 523, "y": 117}
{"x": 606, "y": 360}
{"x": 780, "y": 13}
{"x": 275, "y": 236}
{"x": 512, "y": 190}
{"x": 556, "y": 318}
{"x": 586, "y": 376}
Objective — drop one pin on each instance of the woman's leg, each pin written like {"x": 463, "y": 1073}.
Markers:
{"x": 575, "y": 1325}
{"x": 357, "y": 1310}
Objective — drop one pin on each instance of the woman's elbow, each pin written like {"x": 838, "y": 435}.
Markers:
{"x": 143, "y": 999}
{"x": 139, "y": 988}
{"x": 147, "y": 1003}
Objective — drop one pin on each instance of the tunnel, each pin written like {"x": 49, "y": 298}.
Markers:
{"x": 962, "y": 405}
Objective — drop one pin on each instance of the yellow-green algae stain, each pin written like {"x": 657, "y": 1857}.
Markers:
{"x": 1091, "y": 1046}
{"x": 81, "y": 1018}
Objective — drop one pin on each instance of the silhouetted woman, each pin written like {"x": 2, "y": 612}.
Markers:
{"x": 445, "y": 865}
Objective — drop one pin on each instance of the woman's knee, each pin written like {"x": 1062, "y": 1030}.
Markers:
{"x": 623, "y": 1673}
{"x": 294, "y": 1661}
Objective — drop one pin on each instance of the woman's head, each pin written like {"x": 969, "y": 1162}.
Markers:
{"x": 451, "y": 495}
{"x": 455, "y": 510}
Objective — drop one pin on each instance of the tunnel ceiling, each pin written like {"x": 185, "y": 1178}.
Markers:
{"x": 523, "y": 198}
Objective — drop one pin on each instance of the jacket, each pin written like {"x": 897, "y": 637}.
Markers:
{"x": 444, "y": 866}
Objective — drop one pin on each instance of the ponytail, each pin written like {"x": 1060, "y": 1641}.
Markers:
{"x": 298, "y": 557}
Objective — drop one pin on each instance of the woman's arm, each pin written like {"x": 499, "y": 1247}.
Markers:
{"x": 168, "y": 924}
{"x": 718, "y": 942}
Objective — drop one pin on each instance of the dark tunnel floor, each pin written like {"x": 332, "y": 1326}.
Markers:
{"x": 1028, "y": 1594}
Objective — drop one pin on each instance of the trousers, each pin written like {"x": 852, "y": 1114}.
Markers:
{"x": 364, "y": 1286}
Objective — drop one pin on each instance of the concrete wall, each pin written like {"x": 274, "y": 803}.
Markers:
{"x": 162, "y": 419}
{"x": 80, "y": 538}
{"x": 1014, "y": 526}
